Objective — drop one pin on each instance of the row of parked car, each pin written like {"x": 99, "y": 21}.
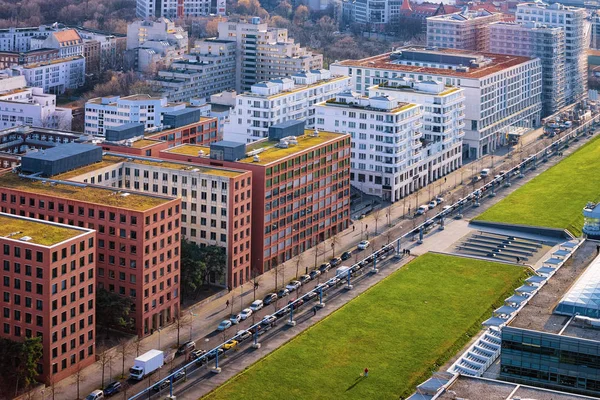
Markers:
{"x": 291, "y": 287}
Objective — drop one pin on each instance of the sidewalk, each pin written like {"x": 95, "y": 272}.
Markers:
{"x": 207, "y": 316}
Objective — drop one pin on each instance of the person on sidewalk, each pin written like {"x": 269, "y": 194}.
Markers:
{"x": 227, "y": 304}
{"x": 314, "y": 310}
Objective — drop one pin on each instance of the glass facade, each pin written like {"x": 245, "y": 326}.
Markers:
{"x": 550, "y": 360}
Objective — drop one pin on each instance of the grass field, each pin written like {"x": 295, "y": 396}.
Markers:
{"x": 555, "y": 198}
{"x": 401, "y": 329}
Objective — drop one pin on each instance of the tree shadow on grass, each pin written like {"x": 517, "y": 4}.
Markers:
{"x": 356, "y": 382}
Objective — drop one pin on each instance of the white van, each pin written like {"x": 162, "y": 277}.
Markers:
{"x": 95, "y": 395}
{"x": 256, "y": 305}
{"x": 485, "y": 172}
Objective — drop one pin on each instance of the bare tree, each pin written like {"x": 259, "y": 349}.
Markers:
{"x": 335, "y": 240}
{"x": 377, "y": 217}
{"x": 181, "y": 321}
{"x": 298, "y": 262}
{"x": 316, "y": 251}
{"x": 137, "y": 343}
{"x": 51, "y": 387}
{"x": 124, "y": 348}
{"x": 104, "y": 359}
{"x": 280, "y": 270}
{"x": 79, "y": 377}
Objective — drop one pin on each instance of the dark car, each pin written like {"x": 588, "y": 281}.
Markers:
{"x": 112, "y": 388}
{"x": 188, "y": 346}
{"x": 282, "y": 312}
{"x": 335, "y": 261}
{"x": 197, "y": 354}
{"x": 271, "y": 297}
{"x": 161, "y": 386}
{"x": 314, "y": 274}
{"x": 310, "y": 295}
{"x": 324, "y": 267}
{"x": 304, "y": 278}
{"x": 179, "y": 376}
{"x": 297, "y": 304}
{"x": 282, "y": 293}
{"x": 346, "y": 255}
{"x": 212, "y": 354}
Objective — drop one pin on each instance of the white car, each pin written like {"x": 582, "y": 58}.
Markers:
{"x": 256, "y": 305}
{"x": 446, "y": 209}
{"x": 246, "y": 312}
{"x": 235, "y": 319}
{"x": 432, "y": 204}
{"x": 293, "y": 285}
{"x": 363, "y": 244}
{"x": 439, "y": 200}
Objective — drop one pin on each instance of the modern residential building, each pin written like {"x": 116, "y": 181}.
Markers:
{"x": 300, "y": 187}
{"x": 405, "y": 135}
{"x": 465, "y": 30}
{"x": 55, "y": 76}
{"x": 68, "y": 42}
{"x": 22, "y": 105}
{"x": 49, "y": 289}
{"x": 179, "y": 8}
{"x": 501, "y": 92}
{"x": 138, "y": 235}
{"x": 105, "y": 112}
{"x": 532, "y": 39}
{"x": 264, "y": 53}
{"x": 575, "y": 25}
{"x": 155, "y": 44}
{"x": 553, "y": 341}
{"x": 208, "y": 70}
{"x": 442, "y": 124}
{"x": 595, "y": 31}
{"x": 279, "y": 100}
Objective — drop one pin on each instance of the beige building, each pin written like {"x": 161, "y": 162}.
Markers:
{"x": 264, "y": 53}
{"x": 466, "y": 30}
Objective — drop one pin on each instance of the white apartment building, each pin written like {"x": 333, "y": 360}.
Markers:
{"x": 208, "y": 70}
{"x": 502, "y": 92}
{"x": 387, "y": 153}
{"x": 55, "y": 76}
{"x": 179, "y": 8}
{"x": 280, "y": 100}
{"x": 443, "y": 110}
{"x": 155, "y": 44}
{"x": 22, "y": 105}
{"x": 19, "y": 39}
{"x": 264, "y": 53}
{"x": 68, "y": 42}
{"x": 574, "y": 22}
{"x": 106, "y": 112}
{"x": 466, "y": 29}
{"x": 533, "y": 39}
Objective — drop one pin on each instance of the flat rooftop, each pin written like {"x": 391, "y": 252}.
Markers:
{"x": 297, "y": 88}
{"x": 385, "y": 62}
{"x": 537, "y": 314}
{"x": 479, "y": 388}
{"x": 115, "y": 161}
{"x": 270, "y": 153}
{"x": 40, "y": 232}
{"x": 52, "y": 62}
{"x": 88, "y": 194}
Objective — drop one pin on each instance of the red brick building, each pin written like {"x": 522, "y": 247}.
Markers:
{"x": 138, "y": 237}
{"x": 202, "y": 132}
{"x": 300, "y": 193}
{"x": 48, "y": 289}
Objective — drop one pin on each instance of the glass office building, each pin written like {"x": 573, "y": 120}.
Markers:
{"x": 550, "y": 360}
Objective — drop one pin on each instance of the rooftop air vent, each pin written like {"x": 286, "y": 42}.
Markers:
{"x": 26, "y": 238}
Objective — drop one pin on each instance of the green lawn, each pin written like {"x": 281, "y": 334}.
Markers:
{"x": 401, "y": 329}
{"x": 555, "y": 198}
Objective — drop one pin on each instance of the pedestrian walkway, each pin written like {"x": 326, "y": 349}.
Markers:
{"x": 388, "y": 223}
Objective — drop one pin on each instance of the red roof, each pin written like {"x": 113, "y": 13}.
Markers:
{"x": 405, "y": 6}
